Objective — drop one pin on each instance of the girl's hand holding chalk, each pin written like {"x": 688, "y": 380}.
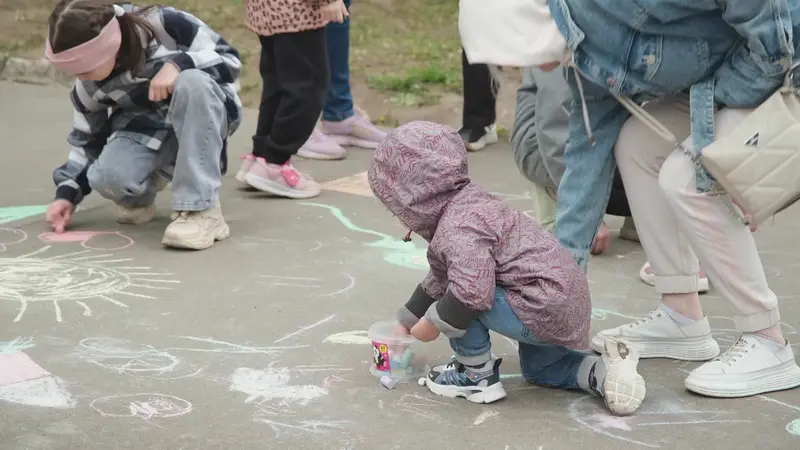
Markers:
{"x": 59, "y": 215}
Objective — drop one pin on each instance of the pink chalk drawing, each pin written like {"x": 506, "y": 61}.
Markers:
{"x": 110, "y": 240}
{"x": 24, "y": 382}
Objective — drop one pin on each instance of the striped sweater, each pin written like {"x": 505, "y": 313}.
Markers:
{"x": 119, "y": 106}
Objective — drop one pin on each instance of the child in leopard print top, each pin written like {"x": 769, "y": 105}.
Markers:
{"x": 295, "y": 73}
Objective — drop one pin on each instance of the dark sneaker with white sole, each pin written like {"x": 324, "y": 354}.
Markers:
{"x": 479, "y": 384}
{"x": 476, "y": 139}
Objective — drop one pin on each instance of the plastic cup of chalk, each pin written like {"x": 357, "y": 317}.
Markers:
{"x": 395, "y": 357}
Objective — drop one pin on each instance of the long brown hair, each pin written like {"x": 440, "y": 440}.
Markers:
{"x": 74, "y": 22}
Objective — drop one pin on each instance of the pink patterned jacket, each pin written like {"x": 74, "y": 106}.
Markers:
{"x": 476, "y": 242}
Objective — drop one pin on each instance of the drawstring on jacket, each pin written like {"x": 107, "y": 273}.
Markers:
{"x": 407, "y": 237}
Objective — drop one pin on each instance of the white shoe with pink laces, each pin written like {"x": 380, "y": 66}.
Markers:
{"x": 247, "y": 163}
{"x": 281, "y": 180}
{"x": 648, "y": 276}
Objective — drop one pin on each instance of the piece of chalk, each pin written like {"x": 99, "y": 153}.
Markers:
{"x": 388, "y": 382}
{"x": 421, "y": 381}
{"x": 405, "y": 360}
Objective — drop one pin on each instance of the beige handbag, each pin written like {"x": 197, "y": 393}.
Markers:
{"x": 758, "y": 163}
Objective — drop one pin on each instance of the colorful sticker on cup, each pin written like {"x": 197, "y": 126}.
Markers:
{"x": 380, "y": 354}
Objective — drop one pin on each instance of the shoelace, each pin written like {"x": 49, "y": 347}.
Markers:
{"x": 740, "y": 348}
{"x": 652, "y": 316}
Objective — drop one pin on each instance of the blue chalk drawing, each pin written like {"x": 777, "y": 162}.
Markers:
{"x": 15, "y": 213}
{"x": 793, "y": 427}
{"x": 16, "y": 344}
{"x": 397, "y": 252}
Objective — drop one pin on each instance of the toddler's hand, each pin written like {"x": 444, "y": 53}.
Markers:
{"x": 335, "y": 12}
{"x": 59, "y": 215}
{"x": 425, "y": 331}
{"x": 163, "y": 83}
{"x": 400, "y": 330}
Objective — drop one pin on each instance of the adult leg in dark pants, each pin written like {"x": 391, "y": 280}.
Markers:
{"x": 294, "y": 67}
{"x": 477, "y": 125}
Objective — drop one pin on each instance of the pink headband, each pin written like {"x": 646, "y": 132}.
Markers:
{"x": 89, "y": 55}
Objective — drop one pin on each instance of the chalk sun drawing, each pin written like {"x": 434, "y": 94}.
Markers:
{"x": 75, "y": 277}
{"x": 397, "y": 252}
{"x": 147, "y": 406}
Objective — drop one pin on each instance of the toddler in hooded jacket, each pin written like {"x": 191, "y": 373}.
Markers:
{"x": 492, "y": 268}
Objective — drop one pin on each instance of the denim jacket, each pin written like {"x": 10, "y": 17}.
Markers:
{"x": 726, "y": 52}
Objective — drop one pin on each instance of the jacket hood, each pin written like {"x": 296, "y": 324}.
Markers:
{"x": 416, "y": 171}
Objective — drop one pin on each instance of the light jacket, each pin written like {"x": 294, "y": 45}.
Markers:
{"x": 477, "y": 242}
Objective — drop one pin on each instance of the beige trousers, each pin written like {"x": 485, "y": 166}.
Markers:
{"x": 677, "y": 226}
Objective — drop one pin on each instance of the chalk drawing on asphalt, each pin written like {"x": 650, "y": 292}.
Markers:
{"x": 145, "y": 406}
{"x": 10, "y": 214}
{"x": 311, "y": 283}
{"x": 395, "y": 251}
{"x": 77, "y": 277}
{"x": 24, "y": 382}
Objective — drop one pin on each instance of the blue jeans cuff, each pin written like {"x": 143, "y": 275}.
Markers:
{"x": 337, "y": 116}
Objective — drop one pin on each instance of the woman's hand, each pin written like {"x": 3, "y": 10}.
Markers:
{"x": 59, "y": 215}
{"x": 335, "y": 12}
{"x": 163, "y": 83}
{"x": 425, "y": 331}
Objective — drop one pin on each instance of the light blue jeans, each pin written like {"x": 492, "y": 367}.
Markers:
{"x": 540, "y": 362}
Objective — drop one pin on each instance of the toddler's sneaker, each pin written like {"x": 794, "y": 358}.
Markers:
{"x": 754, "y": 365}
{"x": 477, "y": 139}
{"x": 320, "y": 146}
{"x": 247, "y": 163}
{"x": 281, "y": 180}
{"x": 659, "y": 336}
{"x": 648, "y": 276}
{"x": 196, "y": 230}
{"x": 623, "y": 389}
{"x": 478, "y": 384}
{"x": 356, "y": 131}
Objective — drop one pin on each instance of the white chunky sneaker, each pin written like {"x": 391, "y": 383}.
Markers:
{"x": 196, "y": 230}
{"x": 658, "y": 336}
{"x": 135, "y": 216}
{"x": 623, "y": 389}
{"x": 748, "y": 368}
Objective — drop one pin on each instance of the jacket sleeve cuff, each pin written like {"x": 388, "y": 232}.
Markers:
{"x": 68, "y": 193}
{"x": 415, "y": 307}
{"x": 183, "y": 61}
{"x": 451, "y": 316}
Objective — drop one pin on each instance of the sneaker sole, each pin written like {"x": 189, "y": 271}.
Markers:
{"x": 321, "y": 156}
{"x": 141, "y": 221}
{"x": 278, "y": 189}
{"x": 786, "y": 376}
{"x": 703, "y": 348}
{"x": 628, "y": 235}
{"x": 346, "y": 141}
{"x": 473, "y": 394}
{"x": 222, "y": 232}
{"x": 481, "y": 144}
{"x": 702, "y": 286}
{"x": 624, "y": 389}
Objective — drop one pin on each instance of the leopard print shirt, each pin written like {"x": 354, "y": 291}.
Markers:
{"x": 269, "y": 17}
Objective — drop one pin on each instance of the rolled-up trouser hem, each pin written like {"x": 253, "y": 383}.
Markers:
{"x": 679, "y": 284}
{"x": 474, "y": 360}
{"x": 194, "y": 206}
{"x": 758, "y": 321}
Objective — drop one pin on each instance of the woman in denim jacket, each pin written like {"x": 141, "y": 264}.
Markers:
{"x": 729, "y": 56}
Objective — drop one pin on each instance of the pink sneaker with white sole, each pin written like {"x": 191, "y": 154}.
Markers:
{"x": 320, "y": 146}
{"x": 247, "y": 163}
{"x": 648, "y": 276}
{"x": 281, "y": 180}
{"x": 356, "y": 131}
